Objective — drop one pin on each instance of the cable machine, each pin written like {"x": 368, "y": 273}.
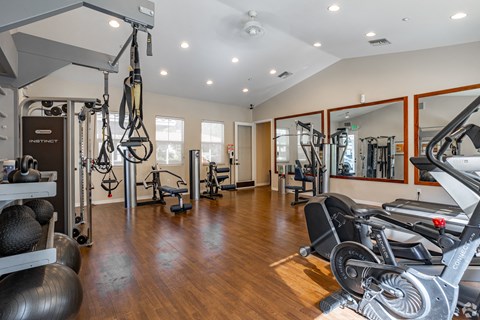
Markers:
{"x": 377, "y": 155}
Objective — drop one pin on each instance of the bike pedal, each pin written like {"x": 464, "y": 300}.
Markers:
{"x": 332, "y": 302}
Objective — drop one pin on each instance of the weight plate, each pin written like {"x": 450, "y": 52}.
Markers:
{"x": 350, "y": 278}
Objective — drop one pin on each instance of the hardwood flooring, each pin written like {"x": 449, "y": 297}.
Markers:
{"x": 233, "y": 258}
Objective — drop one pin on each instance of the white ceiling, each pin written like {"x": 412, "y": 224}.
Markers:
{"x": 213, "y": 29}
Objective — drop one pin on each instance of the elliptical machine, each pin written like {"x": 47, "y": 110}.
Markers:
{"x": 375, "y": 283}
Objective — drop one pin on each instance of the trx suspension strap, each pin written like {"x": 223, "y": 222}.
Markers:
{"x": 103, "y": 163}
{"x": 131, "y": 112}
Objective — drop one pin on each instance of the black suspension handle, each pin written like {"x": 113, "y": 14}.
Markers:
{"x": 450, "y": 129}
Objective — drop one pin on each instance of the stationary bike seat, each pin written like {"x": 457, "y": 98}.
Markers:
{"x": 367, "y": 211}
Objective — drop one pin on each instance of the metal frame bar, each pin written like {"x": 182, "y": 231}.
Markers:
{"x": 18, "y": 13}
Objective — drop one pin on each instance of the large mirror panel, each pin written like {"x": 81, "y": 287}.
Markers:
{"x": 432, "y": 111}
{"x": 289, "y": 140}
{"x": 369, "y": 141}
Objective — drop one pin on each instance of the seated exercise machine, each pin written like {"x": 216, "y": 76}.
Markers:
{"x": 339, "y": 140}
{"x": 311, "y": 142}
{"x": 302, "y": 176}
{"x": 384, "y": 279}
{"x": 213, "y": 182}
{"x": 160, "y": 192}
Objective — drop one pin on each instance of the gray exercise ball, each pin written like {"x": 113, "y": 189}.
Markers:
{"x": 68, "y": 251}
{"x": 48, "y": 292}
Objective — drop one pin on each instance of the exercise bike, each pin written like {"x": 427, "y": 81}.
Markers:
{"x": 381, "y": 279}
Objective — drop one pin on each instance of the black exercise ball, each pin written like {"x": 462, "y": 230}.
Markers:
{"x": 48, "y": 292}
{"x": 68, "y": 251}
{"x": 16, "y": 210}
{"x": 19, "y": 232}
{"x": 43, "y": 210}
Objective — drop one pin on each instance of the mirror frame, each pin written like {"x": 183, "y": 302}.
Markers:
{"x": 416, "y": 124}
{"x": 405, "y": 137}
{"x": 321, "y": 113}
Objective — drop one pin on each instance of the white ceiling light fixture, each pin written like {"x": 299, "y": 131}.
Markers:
{"x": 209, "y": 82}
{"x": 235, "y": 60}
{"x": 114, "y": 24}
{"x": 333, "y": 8}
{"x": 273, "y": 71}
{"x": 458, "y": 16}
{"x": 253, "y": 28}
{"x": 371, "y": 34}
{"x": 347, "y": 115}
{"x": 184, "y": 45}
{"x": 317, "y": 44}
{"x": 245, "y": 90}
{"x": 163, "y": 72}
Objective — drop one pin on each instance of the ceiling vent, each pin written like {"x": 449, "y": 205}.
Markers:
{"x": 379, "y": 42}
{"x": 284, "y": 75}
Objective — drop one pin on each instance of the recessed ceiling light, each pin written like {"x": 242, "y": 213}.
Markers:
{"x": 317, "y": 44}
{"x": 114, "y": 24}
{"x": 371, "y": 34}
{"x": 405, "y": 19}
{"x": 245, "y": 90}
{"x": 273, "y": 71}
{"x": 163, "y": 72}
{"x": 209, "y": 82}
{"x": 184, "y": 45}
{"x": 235, "y": 60}
{"x": 459, "y": 15}
{"x": 333, "y": 8}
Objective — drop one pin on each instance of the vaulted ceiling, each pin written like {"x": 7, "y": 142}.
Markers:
{"x": 214, "y": 32}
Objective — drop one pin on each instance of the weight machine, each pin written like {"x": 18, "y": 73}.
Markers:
{"x": 160, "y": 192}
{"x": 213, "y": 182}
{"x": 377, "y": 155}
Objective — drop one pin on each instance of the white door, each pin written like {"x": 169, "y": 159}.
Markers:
{"x": 244, "y": 154}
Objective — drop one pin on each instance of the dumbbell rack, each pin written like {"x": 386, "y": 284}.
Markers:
{"x": 45, "y": 252}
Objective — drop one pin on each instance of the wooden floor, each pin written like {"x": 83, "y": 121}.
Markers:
{"x": 233, "y": 258}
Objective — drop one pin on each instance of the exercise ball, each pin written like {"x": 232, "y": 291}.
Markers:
{"x": 68, "y": 251}
{"x": 48, "y": 292}
{"x": 19, "y": 232}
{"x": 43, "y": 210}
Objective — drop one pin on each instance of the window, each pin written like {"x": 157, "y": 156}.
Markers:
{"x": 169, "y": 138}
{"x": 212, "y": 142}
{"x": 117, "y": 134}
{"x": 349, "y": 156}
{"x": 305, "y": 140}
{"x": 283, "y": 145}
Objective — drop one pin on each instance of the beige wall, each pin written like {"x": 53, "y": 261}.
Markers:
{"x": 263, "y": 154}
{"x": 380, "y": 77}
{"x": 192, "y": 111}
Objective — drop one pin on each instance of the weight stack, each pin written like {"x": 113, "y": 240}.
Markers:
{"x": 44, "y": 138}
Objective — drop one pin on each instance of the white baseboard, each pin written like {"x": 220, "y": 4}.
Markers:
{"x": 262, "y": 184}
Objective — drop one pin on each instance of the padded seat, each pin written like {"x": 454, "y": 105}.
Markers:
{"x": 299, "y": 188}
{"x": 366, "y": 211}
{"x": 222, "y": 178}
{"x": 223, "y": 170}
{"x": 172, "y": 190}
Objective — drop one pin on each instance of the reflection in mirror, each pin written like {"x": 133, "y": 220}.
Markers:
{"x": 369, "y": 141}
{"x": 432, "y": 112}
{"x": 289, "y": 140}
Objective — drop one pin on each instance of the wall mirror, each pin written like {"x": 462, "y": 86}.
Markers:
{"x": 369, "y": 141}
{"x": 288, "y": 140}
{"x": 432, "y": 111}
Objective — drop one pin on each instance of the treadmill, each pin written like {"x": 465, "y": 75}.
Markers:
{"x": 411, "y": 211}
